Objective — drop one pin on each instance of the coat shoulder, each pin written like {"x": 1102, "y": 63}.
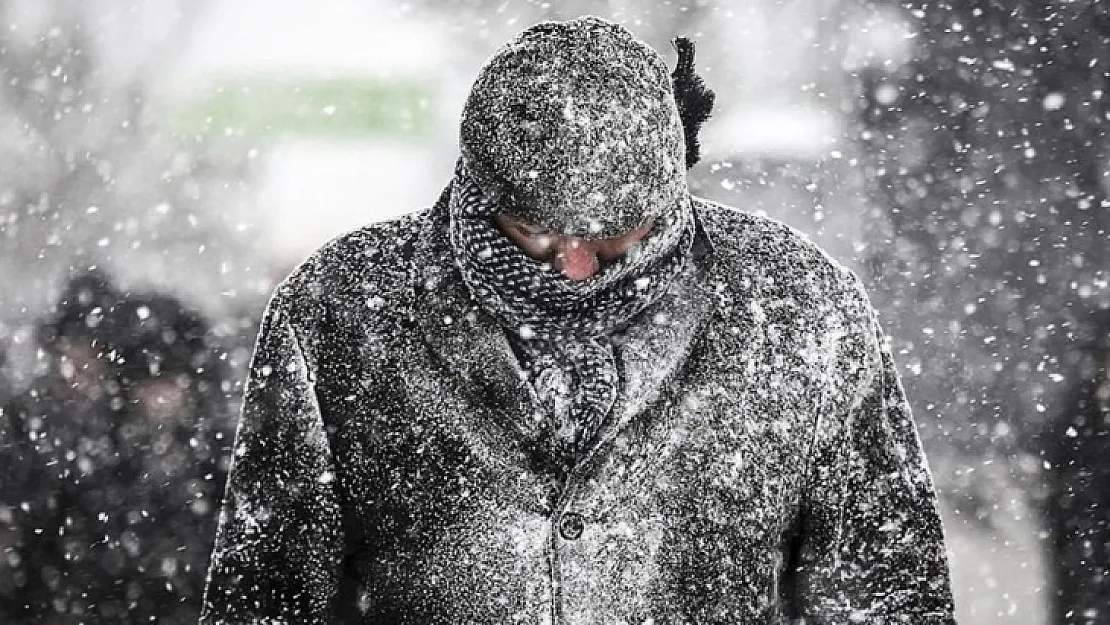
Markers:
{"x": 759, "y": 257}
{"x": 365, "y": 270}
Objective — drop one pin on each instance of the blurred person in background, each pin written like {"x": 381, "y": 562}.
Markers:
{"x": 56, "y": 424}
{"x": 5, "y": 382}
{"x": 1078, "y": 508}
{"x": 571, "y": 392}
{"x": 118, "y": 464}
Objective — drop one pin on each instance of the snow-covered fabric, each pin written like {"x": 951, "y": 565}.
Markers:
{"x": 559, "y": 324}
{"x": 760, "y": 463}
{"x": 400, "y": 458}
{"x": 533, "y": 299}
{"x": 574, "y": 126}
{"x": 576, "y": 383}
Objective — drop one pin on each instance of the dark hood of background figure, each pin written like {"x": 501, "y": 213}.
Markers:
{"x": 79, "y": 338}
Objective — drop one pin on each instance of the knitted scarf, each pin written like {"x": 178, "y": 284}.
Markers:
{"x": 562, "y": 329}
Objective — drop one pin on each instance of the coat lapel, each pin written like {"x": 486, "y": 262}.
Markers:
{"x": 467, "y": 341}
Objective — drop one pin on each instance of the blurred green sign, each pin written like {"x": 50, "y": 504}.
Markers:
{"x": 326, "y": 107}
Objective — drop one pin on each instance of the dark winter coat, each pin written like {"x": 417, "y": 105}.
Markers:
{"x": 108, "y": 520}
{"x": 1076, "y": 448}
{"x": 760, "y": 463}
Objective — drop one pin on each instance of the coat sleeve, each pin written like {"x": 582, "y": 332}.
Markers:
{"x": 278, "y": 545}
{"x": 872, "y": 543}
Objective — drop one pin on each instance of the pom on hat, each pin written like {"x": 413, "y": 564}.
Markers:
{"x": 695, "y": 100}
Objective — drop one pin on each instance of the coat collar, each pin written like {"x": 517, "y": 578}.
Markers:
{"x": 464, "y": 338}
{"x": 475, "y": 349}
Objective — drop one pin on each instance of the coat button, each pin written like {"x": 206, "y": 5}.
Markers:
{"x": 571, "y": 525}
{"x": 550, "y": 381}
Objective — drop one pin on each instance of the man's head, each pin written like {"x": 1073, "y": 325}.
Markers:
{"x": 573, "y": 128}
{"x": 569, "y": 212}
{"x": 167, "y": 359}
{"x": 77, "y": 337}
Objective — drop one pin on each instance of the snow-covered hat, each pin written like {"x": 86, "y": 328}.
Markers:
{"x": 574, "y": 126}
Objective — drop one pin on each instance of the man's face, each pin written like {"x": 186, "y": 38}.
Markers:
{"x": 578, "y": 258}
{"x": 82, "y": 369}
{"x": 163, "y": 399}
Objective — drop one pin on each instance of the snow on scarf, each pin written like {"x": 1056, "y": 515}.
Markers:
{"x": 563, "y": 328}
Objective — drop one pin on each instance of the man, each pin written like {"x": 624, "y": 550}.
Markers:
{"x": 572, "y": 393}
{"x": 111, "y": 463}
{"x": 47, "y": 434}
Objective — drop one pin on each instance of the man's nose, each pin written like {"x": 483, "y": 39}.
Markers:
{"x": 577, "y": 258}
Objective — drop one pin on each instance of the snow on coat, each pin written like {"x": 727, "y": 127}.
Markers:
{"x": 760, "y": 463}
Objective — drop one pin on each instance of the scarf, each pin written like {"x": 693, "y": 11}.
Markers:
{"x": 562, "y": 329}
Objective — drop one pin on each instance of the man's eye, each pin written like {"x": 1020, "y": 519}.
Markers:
{"x": 532, "y": 231}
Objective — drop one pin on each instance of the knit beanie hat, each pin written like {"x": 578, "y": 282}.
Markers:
{"x": 573, "y": 126}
